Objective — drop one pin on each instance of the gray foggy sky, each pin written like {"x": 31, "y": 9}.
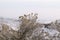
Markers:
{"x": 47, "y": 9}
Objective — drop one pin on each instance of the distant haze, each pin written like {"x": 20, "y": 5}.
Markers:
{"x": 47, "y": 9}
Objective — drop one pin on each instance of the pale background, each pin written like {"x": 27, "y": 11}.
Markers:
{"x": 48, "y": 10}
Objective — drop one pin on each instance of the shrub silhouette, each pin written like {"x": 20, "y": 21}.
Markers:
{"x": 28, "y": 22}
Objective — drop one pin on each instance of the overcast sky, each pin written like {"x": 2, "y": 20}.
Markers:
{"x": 47, "y": 9}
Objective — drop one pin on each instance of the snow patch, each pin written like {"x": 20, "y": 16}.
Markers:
{"x": 52, "y": 32}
